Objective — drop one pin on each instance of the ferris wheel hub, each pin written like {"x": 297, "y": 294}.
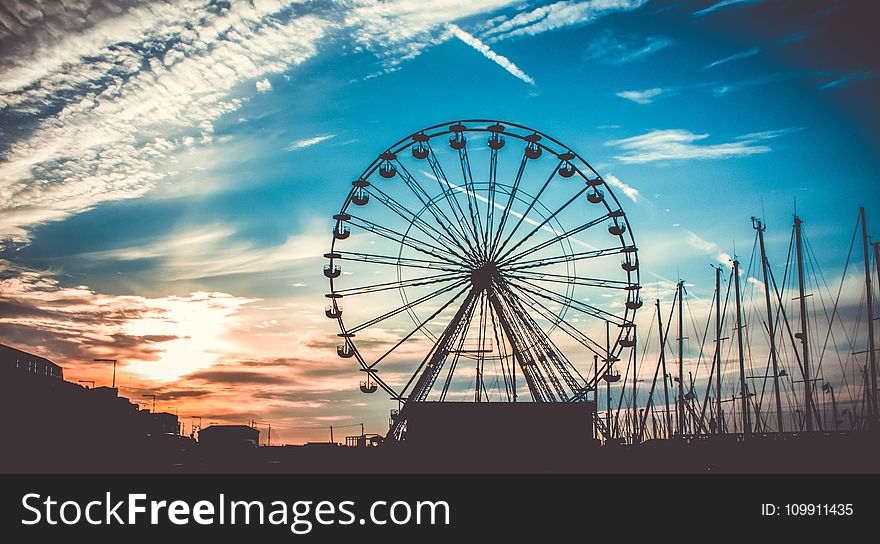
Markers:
{"x": 481, "y": 277}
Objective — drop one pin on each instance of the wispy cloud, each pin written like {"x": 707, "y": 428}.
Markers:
{"x": 112, "y": 97}
{"x": 558, "y": 15}
{"x": 487, "y": 52}
{"x": 616, "y": 50}
{"x": 641, "y": 97}
{"x": 119, "y": 112}
{"x": 397, "y": 31}
{"x": 709, "y": 248}
{"x": 768, "y": 134}
{"x": 722, "y": 4}
{"x": 631, "y": 192}
{"x": 308, "y": 142}
{"x": 680, "y": 144}
{"x": 720, "y": 90}
{"x": 216, "y": 250}
{"x": 841, "y": 81}
{"x": 737, "y": 56}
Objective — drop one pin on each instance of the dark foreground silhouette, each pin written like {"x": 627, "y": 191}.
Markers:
{"x": 53, "y": 427}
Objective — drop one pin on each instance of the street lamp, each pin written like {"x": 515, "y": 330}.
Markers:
{"x": 114, "y": 368}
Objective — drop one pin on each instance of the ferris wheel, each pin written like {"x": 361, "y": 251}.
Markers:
{"x": 482, "y": 261}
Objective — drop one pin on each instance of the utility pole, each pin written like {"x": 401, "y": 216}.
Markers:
{"x": 804, "y": 334}
{"x": 744, "y": 393}
{"x": 771, "y": 327}
{"x": 872, "y": 356}
{"x": 153, "y": 411}
{"x": 718, "y": 350}
{"x": 663, "y": 363}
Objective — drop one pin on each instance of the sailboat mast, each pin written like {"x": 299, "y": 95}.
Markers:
{"x": 805, "y": 337}
{"x": 771, "y": 328}
{"x": 635, "y": 408}
{"x": 747, "y": 424}
{"x": 872, "y": 356}
{"x": 680, "y": 360}
{"x": 607, "y": 379}
{"x": 718, "y": 417}
{"x": 663, "y": 363}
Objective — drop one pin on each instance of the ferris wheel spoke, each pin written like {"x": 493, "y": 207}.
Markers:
{"x": 447, "y": 189}
{"x": 523, "y": 216}
{"x": 439, "y": 216}
{"x": 535, "y": 263}
{"x": 419, "y": 326}
{"x": 425, "y": 375}
{"x": 506, "y": 213}
{"x": 572, "y": 280}
{"x": 554, "y": 360}
{"x": 509, "y": 380}
{"x": 414, "y": 282}
{"x": 408, "y": 305}
{"x": 564, "y": 325}
{"x": 490, "y": 201}
{"x": 538, "y": 345}
{"x": 542, "y": 224}
{"x": 390, "y": 260}
{"x": 405, "y": 239}
{"x": 416, "y": 221}
{"x": 558, "y": 238}
{"x": 458, "y": 350}
{"x": 569, "y": 302}
{"x": 473, "y": 205}
{"x": 535, "y": 382}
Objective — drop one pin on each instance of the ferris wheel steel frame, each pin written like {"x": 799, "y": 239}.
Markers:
{"x": 474, "y": 257}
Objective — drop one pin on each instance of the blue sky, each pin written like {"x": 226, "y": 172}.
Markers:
{"x": 172, "y": 167}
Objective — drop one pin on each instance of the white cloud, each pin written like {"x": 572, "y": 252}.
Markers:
{"x": 118, "y": 141}
{"x": 641, "y": 97}
{"x": 487, "y": 52}
{"x": 397, "y": 31}
{"x": 308, "y": 142}
{"x": 631, "y": 192}
{"x": 680, "y": 144}
{"x": 264, "y": 85}
{"x": 564, "y": 14}
{"x": 128, "y": 89}
{"x": 737, "y": 56}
